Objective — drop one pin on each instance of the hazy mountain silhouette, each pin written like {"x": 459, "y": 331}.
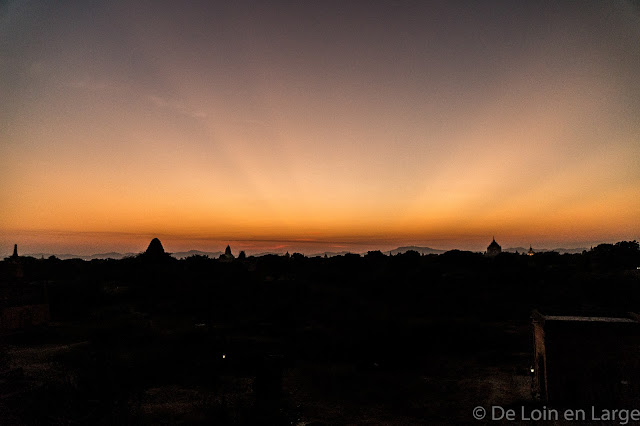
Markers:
{"x": 421, "y": 250}
{"x": 66, "y": 256}
{"x": 268, "y": 253}
{"x": 332, "y": 253}
{"x": 576, "y": 250}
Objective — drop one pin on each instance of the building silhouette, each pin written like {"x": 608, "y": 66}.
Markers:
{"x": 23, "y": 304}
{"x": 227, "y": 254}
{"x": 494, "y": 248}
{"x": 155, "y": 252}
{"x": 15, "y": 264}
{"x": 155, "y": 248}
{"x": 14, "y": 258}
{"x": 586, "y": 359}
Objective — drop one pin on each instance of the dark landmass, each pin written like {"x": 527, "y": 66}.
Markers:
{"x": 184, "y": 254}
{"x": 349, "y": 339}
{"x": 214, "y": 254}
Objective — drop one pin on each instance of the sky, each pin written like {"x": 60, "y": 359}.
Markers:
{"x": 318, "y": 125}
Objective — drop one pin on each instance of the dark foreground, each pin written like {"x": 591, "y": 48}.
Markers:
{"x": 407, "y": 339}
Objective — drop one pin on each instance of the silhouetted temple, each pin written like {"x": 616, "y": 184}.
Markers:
{"x": 227, "y": 254}
{"x": 155, "y": 252}
{"x": 23, "y": 305}
{"x": 494, "y": 248}
{"x": 14, "y": 257}
{"x": 15, "y": 262}
{"x": 155, "y": 248}
{"x": 530, "y": 252}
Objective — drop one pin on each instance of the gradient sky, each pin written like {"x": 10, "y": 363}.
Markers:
{"x": 318, "y": 125}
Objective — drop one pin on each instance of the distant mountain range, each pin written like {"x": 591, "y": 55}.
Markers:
{"x": 421, "y": 250}
{"x": 543, "y": 250}
{"x": 331, "y": 253}
{"x": 110, "y": 255}
{"x": 216, "y": 254}
{"x": 117, "y": 256}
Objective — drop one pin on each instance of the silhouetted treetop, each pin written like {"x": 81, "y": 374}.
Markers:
{"x": 622, "y": 253}
{"x": 375, "y": 254}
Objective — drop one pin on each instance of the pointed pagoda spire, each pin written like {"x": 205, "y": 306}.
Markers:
{"x": 494, "y": 248}
{"x": 15, "y": 251}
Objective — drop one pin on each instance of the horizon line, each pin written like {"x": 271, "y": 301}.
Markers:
{"x": 258, "y": 252}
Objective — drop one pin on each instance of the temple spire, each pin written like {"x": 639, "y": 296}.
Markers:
{"x": 155, "y": 249}
{"x": 494, "y": 248}
{"x": 15, "y": 251}
{"x": 227, "y": 254}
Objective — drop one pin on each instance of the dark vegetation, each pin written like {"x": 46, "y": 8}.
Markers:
{"x": 275, "y": 339}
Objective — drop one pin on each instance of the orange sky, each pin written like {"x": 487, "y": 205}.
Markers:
{"x": 313, "y": 127}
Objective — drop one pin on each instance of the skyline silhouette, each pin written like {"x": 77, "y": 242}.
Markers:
{"x": 156, "y": 248}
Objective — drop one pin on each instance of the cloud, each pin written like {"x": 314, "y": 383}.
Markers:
{"x": 93, "y": 85}
{"x": 176, "y": 106}
{"x": 88, "y": 83}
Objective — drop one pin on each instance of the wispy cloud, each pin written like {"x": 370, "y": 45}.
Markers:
{"x": 94, "y": 85}
{"x": 88, "y": 84}
{"x": 176, "y": 106}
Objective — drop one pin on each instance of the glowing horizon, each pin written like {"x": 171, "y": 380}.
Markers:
{"x": 327, "y": 124}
